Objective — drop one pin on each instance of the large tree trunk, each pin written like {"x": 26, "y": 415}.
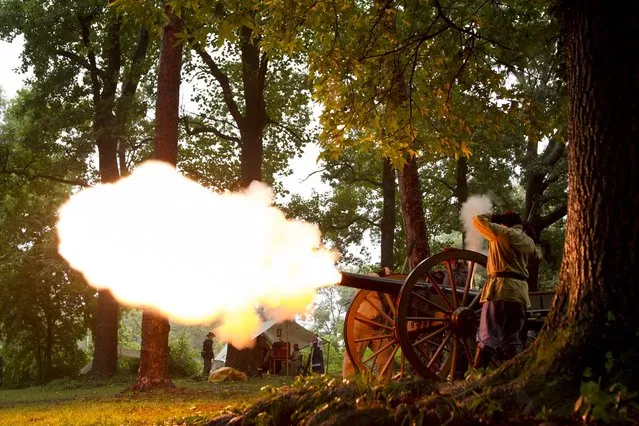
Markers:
{"x": 255, "y": 119}
{"x": 154, "y": 356}
{"x": 389, "y": 188}
{"x": 597, "y": 296}
{"x": 594, "y": 315}
{"x": 413, "y": 211}
{"x": 105, "y": 353}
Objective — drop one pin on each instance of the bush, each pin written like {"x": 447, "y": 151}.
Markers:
{"x": 183, "y": 360}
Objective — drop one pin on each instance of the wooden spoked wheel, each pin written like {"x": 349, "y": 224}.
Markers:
{"x": 369, "y": 333}
{"x": 438, "y": 313}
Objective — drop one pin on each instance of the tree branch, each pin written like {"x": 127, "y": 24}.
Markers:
{"x": 79, "y": 60}
{"x": 553, "y": 152}
{"x": 464, "y": 30}
{"x": 133, "y": 77}
{"x": 201, "y": 128}
{"x": 58, "y": 179}
{"x": 94, "y": 73}
{"x": 223, "y": 80}
{"x": 554, "y": 216}
{"x": 351, "y": 222}
{"x": 288, "y": 129}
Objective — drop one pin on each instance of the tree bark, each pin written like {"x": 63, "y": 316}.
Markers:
{"x": 165, "y": 144}
{"x": 255, "y": 119}
{"x": 602, "y": 234}
{"x": 388, "y": 214}
{"x": 105, "y": 354}
{"x": 154, "y": 356}
{"x": 413, "y": 211}
{"x": 595, "y": 308}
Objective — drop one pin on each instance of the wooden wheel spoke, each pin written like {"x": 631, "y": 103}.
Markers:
{"x": 439, "y": 291}
{"x": 380, "y": 311}
{"x": 453, "y": 361}
{"x": 427, "y": 319}
{"x": 401, "y": 363}
{"x": 372, "y": 323}
{"x": 422, "y": 330}
{"x": 377, "y": 352}
{"x": 433, "y": 304}
{"x": 391, "y": 304}
{"x": 429, "y": 336}
{"x": 438, "y": 351}
{"x": 390, "y": 359}
{"x": 451, "y": 282}
{"x": 469, "y": 356}
{"x": 469, "y": 282}
{"x": 371, "y": 338}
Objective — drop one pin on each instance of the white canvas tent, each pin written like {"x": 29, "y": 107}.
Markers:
{"x": 122, "y": 352}
{"x": 286, "y": 331}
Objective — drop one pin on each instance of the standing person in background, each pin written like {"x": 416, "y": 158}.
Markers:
{"x": 207, "y": 353}
{"x": 296, "y": 359}
{"x": 317, "y": 356}
{"x": 504, "y": 297}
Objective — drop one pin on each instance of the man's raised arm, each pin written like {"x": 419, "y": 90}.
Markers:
{"x": 483, "y": 223}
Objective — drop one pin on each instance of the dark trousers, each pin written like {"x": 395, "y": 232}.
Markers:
{"x": 207, "y": 367}
{"x": 501, "y": 324}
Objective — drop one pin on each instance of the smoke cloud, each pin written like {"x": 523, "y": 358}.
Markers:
{"x": 157, "y": 239}
{"x": 476, "y": 204}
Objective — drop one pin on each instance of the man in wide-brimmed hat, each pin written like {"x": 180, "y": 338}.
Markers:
{"x": 207, "y": 353}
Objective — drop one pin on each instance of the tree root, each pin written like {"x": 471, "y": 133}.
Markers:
{"x": 145, "y": 384}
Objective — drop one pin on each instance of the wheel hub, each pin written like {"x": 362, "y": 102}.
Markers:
{"x": 463, "y": 321}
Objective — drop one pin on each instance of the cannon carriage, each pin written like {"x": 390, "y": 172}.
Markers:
{"x": 425, "y": 322}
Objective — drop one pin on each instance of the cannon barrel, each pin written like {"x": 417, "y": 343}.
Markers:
{"x": 371, "y": 283}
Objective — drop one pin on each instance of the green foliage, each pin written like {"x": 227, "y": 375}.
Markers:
{"x": 609, "y": 405}
{"x": 183, "y": 360}
{"x": 91, "y": 75}
{"x": 485, "y": 405}
{"x": 45, "y": 307}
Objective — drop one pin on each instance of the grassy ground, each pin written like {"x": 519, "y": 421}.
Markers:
{"x": 81, "y": 402}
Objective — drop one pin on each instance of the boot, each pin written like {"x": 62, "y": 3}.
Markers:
{"x": 483, "y": 356}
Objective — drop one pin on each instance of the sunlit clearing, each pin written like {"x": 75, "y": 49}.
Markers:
{"x": 160, "y": 240}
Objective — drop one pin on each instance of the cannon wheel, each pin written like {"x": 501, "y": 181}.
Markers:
{"x": 369, "y": 333}
{"x": 437, "y": 324}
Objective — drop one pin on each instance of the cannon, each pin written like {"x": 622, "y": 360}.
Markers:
{"x": 425, "y": 322}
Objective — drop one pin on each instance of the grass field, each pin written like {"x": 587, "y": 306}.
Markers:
{"x": 82, "y": 402}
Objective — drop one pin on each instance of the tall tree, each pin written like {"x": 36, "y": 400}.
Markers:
{"x": 45, "y": 307}
{"x": 88, "y": 39}
{"x": 597, "y": 295}
{"x": 254, "y": 103}
{"x": 154, "y": 355}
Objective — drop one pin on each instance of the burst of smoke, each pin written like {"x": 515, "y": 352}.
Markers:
{"x": 476, "y": 204}
{"x": 159, "y": 240}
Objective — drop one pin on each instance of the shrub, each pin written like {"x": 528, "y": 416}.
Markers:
{"x": 183, "y": 360}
